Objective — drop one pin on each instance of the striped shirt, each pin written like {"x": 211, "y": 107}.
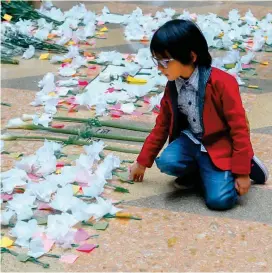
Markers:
{"x": 188, "y": 101}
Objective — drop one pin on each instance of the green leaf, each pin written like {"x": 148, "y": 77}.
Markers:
{"x": 101, "y": 226}
{"x": 22, "y": 257}
{"x": 41, "y": 220}
{"x": 121, "y": 189}
{"x": 124, "y": 177}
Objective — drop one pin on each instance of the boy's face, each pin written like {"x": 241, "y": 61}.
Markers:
{"x": 174, "y": 69}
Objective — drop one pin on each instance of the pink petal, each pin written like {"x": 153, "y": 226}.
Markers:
{"x": 44, "y": 206}
{"x": 33, "y": 177}
{"x": 116, "y": 114}
{"x": 81, "y": 235}
{"x": 82, "y": 83}
{"x": 146, "y": 99}
{"x": 68, "y": 258}
{"x": 100, "y": 23}
{"x": 136, "y": 113}
{"x": 110, "y": 90}
{"x": 90, "y": 58}
{"x": 48, "y": 244}
{"x": 246, "y": 66}
{"x": 72, "y": 108}
{"x": 71, "y": 100}
{"x": 116, "y": 106}
{"x": 87, "y": 248}
{"x": 57, "y": 125}
{"x": 93, "y": 67}
{"x": 60, "y": 164}
{"x": 6, "y": 197}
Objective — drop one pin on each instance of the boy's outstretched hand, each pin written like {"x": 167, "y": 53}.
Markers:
{"x": 242, "y": 184}
{"x": 137, "y": 172}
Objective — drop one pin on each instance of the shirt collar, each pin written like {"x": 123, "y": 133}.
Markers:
{"x": 193, "y": 80}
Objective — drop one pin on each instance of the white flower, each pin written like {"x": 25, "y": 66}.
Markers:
{"x": 128, "y": 108}
{"x": 110, "y": 163}
{"x": 22, "y": 204}
{"x": 95, "y": 149}
{"x": 234, "y": 15}
{"x": 15, "y": 123}
{"x": 57, "y": 59}
{"x": 101, "y": 208}
{"x": 43, "y": 120}
{"x": 41, "y": 34}
{"x": 23, "y": 231}
{"x": 105, "y": 10}
{"x": 9, "y": 184}
{"x": 246, "y": 59}
{"x": 2, "y": 144}
{"x": 105, "y": 77}
{"x": 26, "y": 117}
{"x": 29, "y": 53}
{"x": 59, "y": 225}
{"x": 36, "y": 248}
{"x": 50, "y": 107}
{"x": 62, "y": 199}
{"x": 43, "y": 190}
{"x": 6, "y": 216}
{"x": 70, "y": 82}
{"x": 67, "y": 71}
{"x": 231, "y": 57}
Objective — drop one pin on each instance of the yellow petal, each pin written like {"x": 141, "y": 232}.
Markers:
{"x": 253, "y": 86}
{"x": 58, "y": 171}
{"x": 7, "y": 17}
{"x": 265, "y": 63}
{"x": 235, "y": 46}
{"x": 15, "y": 155}
{"x": 172, "y": 241}
{"x": 123, "y": 214}
{"x": 67, "y": 60}
{"x": 44, "y": 56}
{"x": 136, "y": 80}
{"x": 6, "y": 242}
{"x": 75, "y": 189}
{"x": 103, "y": 29}
{"x": 52, "y": 94}
{"x": 71, "y": 43}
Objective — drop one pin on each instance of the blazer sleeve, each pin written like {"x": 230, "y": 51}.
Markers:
{"x": 235, "y": 116}
{"x": 159, "y": 134}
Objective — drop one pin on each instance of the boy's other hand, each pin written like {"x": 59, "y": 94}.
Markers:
{"x": 242, "y": 184}
{"x": 137, "y": 172}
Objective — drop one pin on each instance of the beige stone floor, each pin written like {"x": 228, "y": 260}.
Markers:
{"x": 199, "y": 242}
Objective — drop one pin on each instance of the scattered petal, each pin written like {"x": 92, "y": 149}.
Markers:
{"x": 68, "y": 258}
{"x": 87, "y": 248}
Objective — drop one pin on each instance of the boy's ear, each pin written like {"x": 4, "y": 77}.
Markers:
{"x": 193, "y": 57}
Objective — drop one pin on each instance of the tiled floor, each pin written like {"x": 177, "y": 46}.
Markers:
{"x": 177, "y": 232}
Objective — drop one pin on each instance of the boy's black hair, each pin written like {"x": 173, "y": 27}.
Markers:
{"x": 179, "y": 38}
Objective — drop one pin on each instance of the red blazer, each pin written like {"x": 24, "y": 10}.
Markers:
{"x": 226, "y": 135}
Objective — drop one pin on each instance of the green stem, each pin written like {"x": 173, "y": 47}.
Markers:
{"x": 72, "y": 142}
{"x": 81, "y": 134}
{"x": 112, "y": 124}
{"x": 51, "y": 255}
{"x": 6, "y": 104}
{"x": 30, "y": 259}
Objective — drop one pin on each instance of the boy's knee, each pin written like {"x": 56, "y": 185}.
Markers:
{"x": 164, "y": 162}
{"x": 221, "y": 202}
